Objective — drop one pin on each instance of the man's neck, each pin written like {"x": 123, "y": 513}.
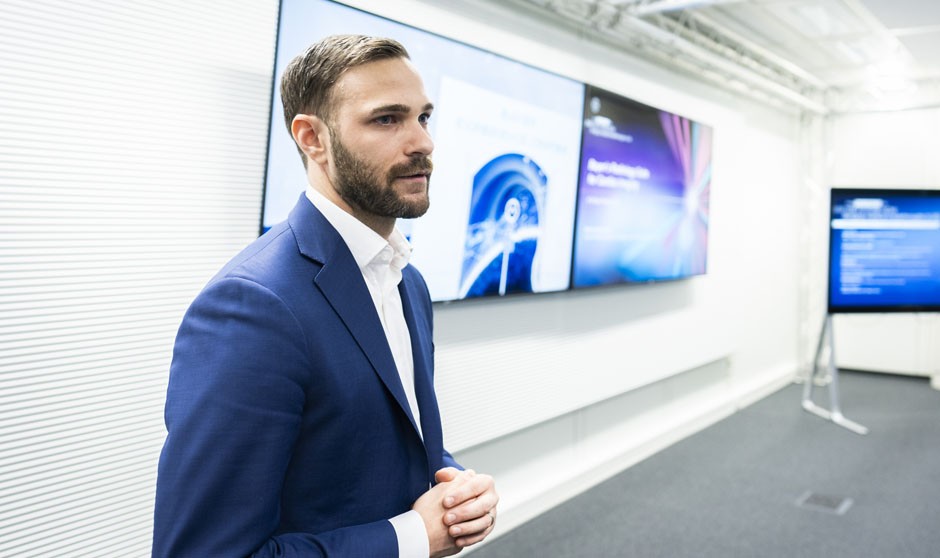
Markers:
{"x": 383, "y": 226}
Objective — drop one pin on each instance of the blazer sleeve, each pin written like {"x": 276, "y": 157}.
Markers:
{"x": 449, "y": 461}
{"x": 234, "y": 407}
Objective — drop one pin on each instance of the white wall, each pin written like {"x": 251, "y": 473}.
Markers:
{"x": 893, "y": 150}
{"x": 131, "y": 160}
{"x": 135, "y": 170}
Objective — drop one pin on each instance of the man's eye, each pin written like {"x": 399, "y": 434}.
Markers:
{"x": 385, "y": 120}
{"x": 424, "y": 118}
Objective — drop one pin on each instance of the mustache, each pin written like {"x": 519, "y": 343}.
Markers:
{"x": 419, "y": 164}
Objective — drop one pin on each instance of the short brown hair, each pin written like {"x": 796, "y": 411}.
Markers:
{"x": 307, "y": 83}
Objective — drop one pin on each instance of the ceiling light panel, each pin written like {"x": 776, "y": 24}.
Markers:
{"x": 819, "y": 19}
{"x": 898, "y": 14}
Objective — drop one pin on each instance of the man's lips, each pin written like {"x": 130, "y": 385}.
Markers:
{"x": 416, "y": 171}
{"x": 416, "y": 176}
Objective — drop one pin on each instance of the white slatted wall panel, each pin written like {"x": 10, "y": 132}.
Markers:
{"x": 132, "y": 145}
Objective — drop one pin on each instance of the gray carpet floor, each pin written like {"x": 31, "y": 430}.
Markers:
{"x": 732, "y": 489}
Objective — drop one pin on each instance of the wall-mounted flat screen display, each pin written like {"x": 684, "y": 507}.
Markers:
{"x": 507, "y": 139}
{"x": 643, "y": 193}
{"x": 884, "y": 250}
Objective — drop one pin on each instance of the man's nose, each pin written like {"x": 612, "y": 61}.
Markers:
{"x": 419, "y": 140}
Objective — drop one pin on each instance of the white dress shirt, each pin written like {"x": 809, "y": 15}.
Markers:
{"x": 381, "y": 262}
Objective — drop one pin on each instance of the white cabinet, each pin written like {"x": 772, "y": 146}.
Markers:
{"x": 893, "y": 343}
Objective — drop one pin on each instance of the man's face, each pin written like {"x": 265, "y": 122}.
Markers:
{"x": 379, "y": 140}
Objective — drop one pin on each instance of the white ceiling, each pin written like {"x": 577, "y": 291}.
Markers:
{"x": 872, "y": 49}
{"x": 818, "y": 55}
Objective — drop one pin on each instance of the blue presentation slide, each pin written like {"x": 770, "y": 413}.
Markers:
{"x": 884, "y": 250}
{"x": 643, "y": 200}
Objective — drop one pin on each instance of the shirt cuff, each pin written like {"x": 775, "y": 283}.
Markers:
{"x": 412, "y": 536}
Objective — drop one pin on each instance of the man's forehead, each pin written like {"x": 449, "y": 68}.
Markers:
{"x": 392, "y": 81}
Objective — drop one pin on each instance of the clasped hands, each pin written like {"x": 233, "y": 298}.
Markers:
{"x": 459, "y": 511}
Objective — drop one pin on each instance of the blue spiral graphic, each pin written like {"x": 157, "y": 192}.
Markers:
{"x": 503, "y": 228}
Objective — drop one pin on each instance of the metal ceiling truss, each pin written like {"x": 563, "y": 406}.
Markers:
{"x": 670, "y": 33}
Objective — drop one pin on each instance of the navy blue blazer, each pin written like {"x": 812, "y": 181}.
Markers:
{"x": 289, "y": 433}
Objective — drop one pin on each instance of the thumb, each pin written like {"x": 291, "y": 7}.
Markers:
{"x": 446, "y": 474}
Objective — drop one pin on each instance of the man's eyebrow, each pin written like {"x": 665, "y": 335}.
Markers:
{"x": 398, "y": 108}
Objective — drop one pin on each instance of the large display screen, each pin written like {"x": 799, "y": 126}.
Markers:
{"x": 643, "y": 194}
{"x": 884, "y": 250}
{"x": 507, "y": 139}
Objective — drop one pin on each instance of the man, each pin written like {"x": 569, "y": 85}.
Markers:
{"x": 300, "y": 412}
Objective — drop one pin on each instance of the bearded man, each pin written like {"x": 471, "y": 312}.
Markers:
{"x": 301, "y": 413}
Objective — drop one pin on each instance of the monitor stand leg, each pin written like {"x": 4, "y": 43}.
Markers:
{"x": 834, "y": 413}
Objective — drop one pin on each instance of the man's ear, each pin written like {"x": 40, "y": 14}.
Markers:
{"x": 312, "y": 136}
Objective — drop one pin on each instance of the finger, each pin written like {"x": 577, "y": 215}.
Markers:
{"x": 470, "y": 511}
{"x": 451, "y": 474}
{"x": 446, "y": 474}
{"x": 449, "y": 487}
{"x": 476, "y": 485}
{"x": 469, "y": 540}
{"x": 472, "y": 527}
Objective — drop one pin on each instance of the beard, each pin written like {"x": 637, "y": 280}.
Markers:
{"x": 364, "y": 188}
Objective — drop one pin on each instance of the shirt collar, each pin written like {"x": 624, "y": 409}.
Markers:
{"x": 364, "y": 243}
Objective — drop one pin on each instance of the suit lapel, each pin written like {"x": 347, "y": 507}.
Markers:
{"x": 422, "y": 349}
{"x": 341, "y": 283}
